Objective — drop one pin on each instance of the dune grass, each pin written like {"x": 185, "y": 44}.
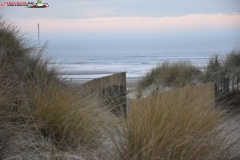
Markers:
{"x": 177, "y": 74}
{"x": 181, "y": 74}
{"x": 214, "y": 70}
{"x": 64, "y": 117}
{"x": 232, "y": 62}
{"x": 174, "y": 75}
{"x": 44, "y": 117}
{"x": 175, "y": 125}
{"x": 36, "y": 102}
{"x": 219, "y": 67}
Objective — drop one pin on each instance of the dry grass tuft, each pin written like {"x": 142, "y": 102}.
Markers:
{"x": 177, "y": 74}
{"x": 173, "y": 75}
{"x": 232, "y": 62}
{"x": 43, "y": 117}
{"x": 218, "y": 67}
{"x": 36, "y": 103}
{"x": 180, "y": 124}
{"x": 64, "y": 117}
{"x": 214, "y": 70}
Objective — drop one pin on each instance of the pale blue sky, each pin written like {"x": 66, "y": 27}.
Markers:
{"x": 123, "y": 15}
{"x": 125, "y": 8}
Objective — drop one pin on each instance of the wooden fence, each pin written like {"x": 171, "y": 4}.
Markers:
{"x": 200, "y": 95}
{"x": 102, "y": 83}
{"x": 112, "y": 87}
{"x": 228, "y": 84}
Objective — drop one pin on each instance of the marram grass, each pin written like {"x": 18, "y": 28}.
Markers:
{"x": 42, "y": 117}
{"x": 34, "y": 101}
{"x": 175, "y": 125}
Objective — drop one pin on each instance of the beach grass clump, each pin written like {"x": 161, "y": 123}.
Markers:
{"x": 44, "y": 117}
{"x": 232, "y": 62}
{"x": 14, "y": 43}
{"x": 114, "y": 98}
{"x": 66, "y": 118}
{"x": 178, "y": 74}
{"x": 36, "y": 102}
{"x": 174, "y": 125}
{"x": 219, "y": 67}
{"x": 214, "y": 70}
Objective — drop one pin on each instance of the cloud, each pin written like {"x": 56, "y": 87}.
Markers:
{"x": 200, "y": 22}
{"x": 74, "y": 9}
{"x": 95, "y": 16}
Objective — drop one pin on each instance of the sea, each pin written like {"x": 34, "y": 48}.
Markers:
{"x": 89, "y": 56}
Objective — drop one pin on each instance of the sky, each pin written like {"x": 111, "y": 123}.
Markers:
{"x": 127, "y": 16}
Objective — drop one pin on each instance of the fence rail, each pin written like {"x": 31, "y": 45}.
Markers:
{"x": 118, "y": 79}
{"x": 115, "y": 85}
{"x": 112, "y": 87}
{"x": 202, "y": 95}
{"x": 227, "y": 84}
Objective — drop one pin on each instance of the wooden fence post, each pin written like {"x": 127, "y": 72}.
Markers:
{"x": 226, "y": 85}
{"x": 222, "y": 85}
{"x": 237, "y": 82}
{"x": 233, "y": 82}
{"x": 217, "y": 87}
{"x": 113, "y": 86}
